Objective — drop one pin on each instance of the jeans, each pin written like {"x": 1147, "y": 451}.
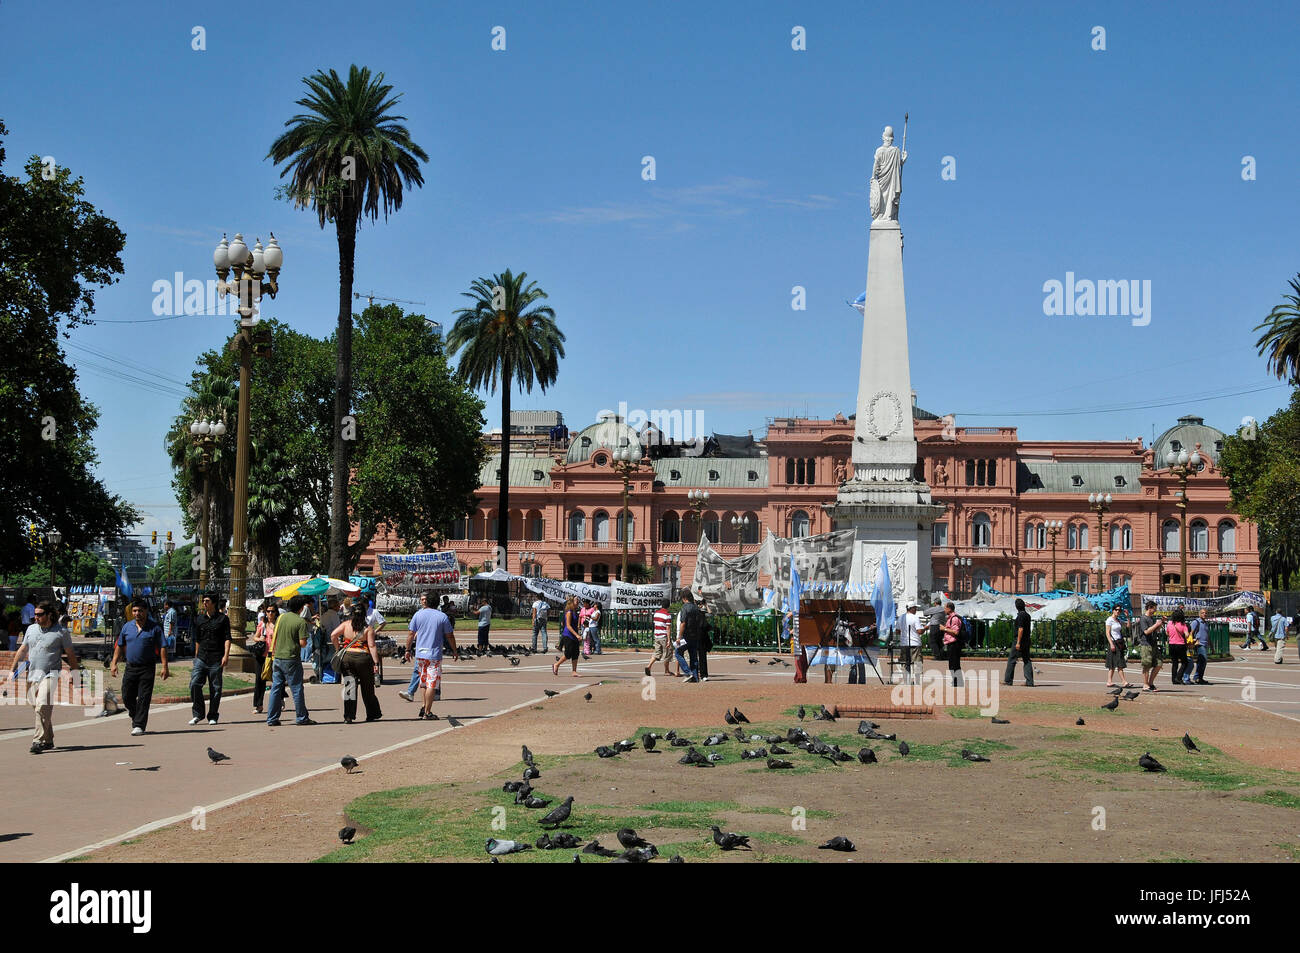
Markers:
{"x": 1202, "y": 658}
{"x": 210, "y": 672}
{"x": 682, "y": 665}
{"x": 1010, "y": 675}
{"x": 699, "y": 659}
{"x": 1252, "y": 636}
{"x": 286, "y": 671}
{"x": 137, "y": 692}
{"x": 540, "y": 627}
{"x": 357, "y": 670}
{"x": 594, "y": 633}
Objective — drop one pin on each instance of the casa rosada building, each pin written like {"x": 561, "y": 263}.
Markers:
{"x": 1003, "y": 497}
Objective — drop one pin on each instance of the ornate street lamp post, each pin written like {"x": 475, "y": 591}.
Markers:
{"x": 1054, "y": 528}
{"x": 1184, "y": 466}
{"x": 627, "y": 460}
{"x": 1100, "y": 504}
{"x": 674, "y": 562}
{"x": 255, "y": 271}
{"x": 698, "y": 500}
{"x": 54, "y": 538}
{"x": 740, "y": 524}
{"x": 205, "y": 435}
{"x": 963, "y": 564}
{"x": 171, "y": 548}
{"x": 1228, "y": 573}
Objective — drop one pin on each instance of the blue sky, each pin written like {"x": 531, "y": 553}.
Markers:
{"x": 676, "y": 293}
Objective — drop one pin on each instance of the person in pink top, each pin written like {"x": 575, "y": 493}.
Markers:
{"x": 1177, "y": 632}
{"x": 952, "y": 642}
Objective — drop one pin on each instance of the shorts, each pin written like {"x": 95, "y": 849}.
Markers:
{"x": 662, "y": 652}
{"x": 430, "y": 673}
{"x": 1115, "y": 658}
{"x": 1150, "y": 655}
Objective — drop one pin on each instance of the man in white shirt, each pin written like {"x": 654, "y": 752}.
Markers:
{"x": 911, "y": 624}
{"x": 541, "y": 609}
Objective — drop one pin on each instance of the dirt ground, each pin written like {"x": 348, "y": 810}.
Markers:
{"x": 1039, "y": 799}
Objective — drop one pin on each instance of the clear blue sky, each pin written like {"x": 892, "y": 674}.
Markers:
{"x": 676, "y": 293}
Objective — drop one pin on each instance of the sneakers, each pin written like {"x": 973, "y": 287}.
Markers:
{"x": 405, "y": 696}
{"x": 421, "y": 715}
{"x": 36, "y": 748}
{"x": 195, "y": 721}
{"x": 212, "y": 721}
{"x": 305, "y": 721}
{"x": 705, "y": 678}
{"x": 137, "y": 730}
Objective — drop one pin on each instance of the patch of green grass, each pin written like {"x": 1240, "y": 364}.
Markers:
{"x": 1058, "y": 708}
{"x": 1172, "y": 860}
{"x": 1292, "y": 849}
{"x": 949, "y": 860}
{"x": 950, "y": 751}
{"x": 786, "y": 859}
{"x": 1276, "y": 798}
{"x": 1065, "y": 736}
{"x": 83, "y": 858}
{"x": 964, "y": 711}
{"x": 770, "y": 837}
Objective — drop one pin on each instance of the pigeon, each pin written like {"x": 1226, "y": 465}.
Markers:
{"x": 969, "y": 755}
{"x": 531, "y": 772}
{"x": 1080, "y": 721}
{"x": 867, "y": 756}
{"x": 692, "y": 757}
{"x": 513, "y": 660}
{"x": 795, "y": 734}
{"x": 727, "y": 840}
{"x": 587, "y": 696}
{"x": 216, "y": 757}
{"x": 729, "y": 718}
{"x": 1000, "y": 721}
{"x": 740, "y": 736}
{"x": 348, "y": 762}
{"x": 867, "y": 727}
{"x": 805, "y": 746}
{"x": 681, "y": 742}
{"x": 1129, "y": 696}
{"x": 523, "y": 793}
{"x": 838, "y": 843}
{"x": 1150, "y": 763}
{"x": 544, "y": 843}
{"x": 499, "y": 848}
{"x": 841, "y": 755}
{"x": 785, "y": 663}
{"x": 548, "y": 693}
{"x": 527, "y": 755}
{"x": 773, "y": 661}
{"x": 560, "y": 814}
{"x": 576, "y": 859}
{"x": 802, "y": 714}
{"x": 536, "y": 802}
{"x": 1188, "y": 743}
{"x": 605, "y": 752}
{"x": 740, "y": 717}
{"x": 819, "y": 746}
{"x": 776, "y": 763}
{"x": 1115, "y": 692}
{"x": 1111, "y": 705}
{"x": 565, "y": 840}
{"x": 641, "y": 855}
{"x": 824, "y": 715}
{"x": 672, "y": 733}
{"x": 715, "y": 757}
{"x": 777, "y": 739}
{"x": 676, "y": 859}
{"x": 346, "y": 834}
{"x": 753, "y": 661}
{"x": 628, "y": 838}
{"x": 904, "y": 749}
{"x": 713, "y": 740}
{"x": 627, "y": 744}
{"x": 451, "y": 720}
{"x": 777, "y": 749}
{"x": 595, "y": 848}
{"x": 748, "y": 755}
{"x": 648, "y": 742}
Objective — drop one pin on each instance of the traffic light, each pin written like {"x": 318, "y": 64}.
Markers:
{"x": 155, "y": 537}
{"x": 169, "y": 536}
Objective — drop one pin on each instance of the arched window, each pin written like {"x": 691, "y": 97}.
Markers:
{"x": 712, "y": 527}
{"x": 1200, "y": 582}
{"x": 812, "y": 470}
{"x": 670, "y": 529}
{"x": 599, "y": 574}
{"x": 979, "y": 473}
{"x": 628, "y": 523}
{"x": 1077, "y": 536}
{"x": 1031, "y": 535}
{"x": 600, "y": 528}
{"x": 1118, "y": 579}
{"x": 575, "y": 572}
{"x": 1035, "y": 581}
{"x": 981, "y": 531}
{"x": 1170, "y": 580}
{"x": 970, "y": 472}
{"x": 751, "y": 530}
{"x": 993, "y": 473}
{"x": 1121, "y": 536}
{"x": 799, "y": 524}
{"x": 1169, "y": 536}
{"x": 1227, "y": 537}
{"x": 577, "y": 530}
{"x": 1198, "y": 539}
{"x": 789, "y": 470}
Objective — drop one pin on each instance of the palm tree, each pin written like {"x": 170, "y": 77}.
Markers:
{"x": 505, "y": 335}
{"x": 214, "y": 397}
{"x": 348, "y": 158}
{"x": 1281, "y": 337}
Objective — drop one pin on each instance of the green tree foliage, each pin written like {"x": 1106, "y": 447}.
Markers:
{"x": 417, "y": 434}
{"x": 347, "y": 158}
{"x": 56, "y": 250}
{"x": 505, "y": 336}
{"x": 1281, "y": 338}
{"x": 77, "y": 568}
{"x": 182, "y": 565}
{"x": 1262, "y": 467}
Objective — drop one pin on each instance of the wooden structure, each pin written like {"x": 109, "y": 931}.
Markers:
{"x": 817, "y": 620}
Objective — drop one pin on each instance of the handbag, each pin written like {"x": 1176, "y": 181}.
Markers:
{"x": 267, "y": 666}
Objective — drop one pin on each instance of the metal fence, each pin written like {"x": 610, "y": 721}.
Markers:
{"x": 1068, "y": 638}
{"x": 635, "y": 627}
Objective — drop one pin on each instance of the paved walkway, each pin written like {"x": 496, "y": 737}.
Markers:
{"x": 101, "y": 785}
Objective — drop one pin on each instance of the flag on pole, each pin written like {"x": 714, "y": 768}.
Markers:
{"x": 882, "y": 600}
{"x": 859, "y": 304}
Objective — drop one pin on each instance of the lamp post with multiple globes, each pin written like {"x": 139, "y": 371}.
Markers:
{"x": 627, "y": 460}
{"x": 1054, "y": 528}
{"x": 205, "y": 435}
{"x": 1100, "y": 504}
{"x": 740, "y": 524}
{"x": 1183, "y": 466}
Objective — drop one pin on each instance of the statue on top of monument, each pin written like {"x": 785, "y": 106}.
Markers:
{"x": 887, "y": 177}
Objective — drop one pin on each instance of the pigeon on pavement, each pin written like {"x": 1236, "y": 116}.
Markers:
{"x": 727, "y": 840}
{"x": 838, "y": 843}
{"x": 1129, "y": 696}
{"x": 969, "y": 755}
{"x": 1115, "y": 692}
{"x": 560, "y": 814}
{"x": 1111, "y": 705}
{"x": 1150, "y": 763}
{"x": 587, "y": 696}
{"x": 347, "y": 833}
{"x": 549, "y": 693}
{"x": 499, "y": 848}
{"x": 999, "y": 721}
{"x": 867, "y": 756}
{"x": 217, "y": 757}
{"x": 348, "y": 762}
{"x": 773, "y": 661}
{"x": 1188, "y": 743}
{"x": 1080, "y": 721}
{"x": 753, "y": 661}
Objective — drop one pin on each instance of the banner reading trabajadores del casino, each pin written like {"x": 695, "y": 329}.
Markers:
{"x": 410, "y": 574}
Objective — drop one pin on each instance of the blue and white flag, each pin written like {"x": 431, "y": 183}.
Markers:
{"x": 123, "y": 584}
{"x": 859, "y": 304}
{"x": 882, "y": 600}
{"x": 796, "y": 585}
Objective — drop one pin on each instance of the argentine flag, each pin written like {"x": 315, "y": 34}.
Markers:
{"x": 882, "y": 600}
{"x": 859, "y": 304}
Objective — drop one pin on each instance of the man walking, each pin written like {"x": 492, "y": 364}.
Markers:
{"x": 1280, "y": 623}
{"x": 1201, "y": 647}
{"x": 291, "y": 635}
{"x": 43, "y": 645}
{"x": 541, "y": 609}
{"x": 1252, "y": 631}
{"x": 141, "y": 641}
{"x": 1148, "y": 640}
{"x": 663, "y": 650}
{"x": 1020, "y": 647}
{"x": 430, "y": 631}
{"x": 211, "y": 654}
{"x": 911, "y": 644}
{"x": 690, "y": 626}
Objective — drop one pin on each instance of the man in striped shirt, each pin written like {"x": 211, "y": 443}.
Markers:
{"x": 663, "y": 648}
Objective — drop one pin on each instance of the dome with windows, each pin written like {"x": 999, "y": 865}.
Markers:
{"x": 1185, "y": 435}
{"x": 610, "y": 432}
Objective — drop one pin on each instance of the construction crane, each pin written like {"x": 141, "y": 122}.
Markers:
{"x": 371, "y": 298}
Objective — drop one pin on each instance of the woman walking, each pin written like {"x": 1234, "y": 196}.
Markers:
{"x": 258, "y": 645}
{"x": 1177, "y": 632}
{"x": 1117, "y": 650}
{"x": 570, "y": 637}
{"x": 356, "y": 657}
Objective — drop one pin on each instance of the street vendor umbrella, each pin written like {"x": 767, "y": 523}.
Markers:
{"x": 317, "y": 586}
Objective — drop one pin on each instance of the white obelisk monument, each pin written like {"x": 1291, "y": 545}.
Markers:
{"x": 885, "y": 501}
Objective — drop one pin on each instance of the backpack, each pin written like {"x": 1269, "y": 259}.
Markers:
{"x": 693, "y": 622}
{"x": 966, "y": 635}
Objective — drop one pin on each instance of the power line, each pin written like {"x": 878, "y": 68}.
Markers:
{"x": 1120, "y": 409}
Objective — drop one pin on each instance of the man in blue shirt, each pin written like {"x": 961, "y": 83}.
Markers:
{"x": 1280, "y": 623}
{"x": 430, "y": 629}
{"x": 142, "y": 641}
{"x": 170, "y": 618}
{"x": 1200, "y": 629}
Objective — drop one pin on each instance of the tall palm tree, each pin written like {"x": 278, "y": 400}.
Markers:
{"x": 347, "y": 157}
{"x": 505, "y": 334}
{"x": 1281, "y": 337}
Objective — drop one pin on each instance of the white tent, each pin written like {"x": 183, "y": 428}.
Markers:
{"x": 496, "y": 575}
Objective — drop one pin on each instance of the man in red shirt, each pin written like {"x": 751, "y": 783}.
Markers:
{"x": 663, "y": 647}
